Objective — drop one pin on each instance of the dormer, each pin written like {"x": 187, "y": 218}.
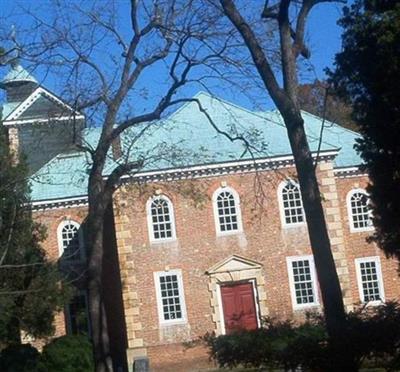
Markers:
{"x": 40, "y": 125}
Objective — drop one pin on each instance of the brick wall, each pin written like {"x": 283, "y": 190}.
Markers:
{"x": 51, "y": 219}
{"x": 357, "y": 246}
{"x": 198, "y": 248}
{"x": 115, "y": 315}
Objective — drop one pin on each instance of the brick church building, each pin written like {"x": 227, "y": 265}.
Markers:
{"x": 207, "y": 237}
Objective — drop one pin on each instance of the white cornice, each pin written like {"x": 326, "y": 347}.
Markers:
{"x": 76, "y": 201}
{"x": 191, "y": 172}
{"x": 43, "y": 121}
{"x": 348, "y": 172}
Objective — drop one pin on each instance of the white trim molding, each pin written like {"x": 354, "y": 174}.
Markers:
{"x": 12, "y": 118}
{"x": 151, "y": 223}
{"x": 374, "y": 270}
{"x": 237, "y": 214}
{"x": 188, "y": 173}
{"x": 236, "y": 269}
{"x": 168, "y": 296}
{"x": 60, "y": 240}
{"x": 293, "y": 282}
{"x": 351, "y": 216}
{"x": 349, "y": 172}
{"x": 75, "y": 201}
{"x": 14, "y": 123}
{"x": 282, "y": 208}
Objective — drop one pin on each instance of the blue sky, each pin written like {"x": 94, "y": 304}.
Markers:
{"x": 323, "y": 37}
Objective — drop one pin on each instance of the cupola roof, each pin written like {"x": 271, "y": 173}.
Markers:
{"x": 17, "y": 75}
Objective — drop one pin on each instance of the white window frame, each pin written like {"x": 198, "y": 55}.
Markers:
{"x": 377, "y": 261}
{"x": 82, "y": 253}
{"x": 282, "y": 208}
{"x": 350, "y": 214}
{"x": 150, "y": 226}
{"x": 289, "y": 261}
{"x": 160, "y": 310}
{"x": 236, "y": 199}
{"x": 69, "y": 321}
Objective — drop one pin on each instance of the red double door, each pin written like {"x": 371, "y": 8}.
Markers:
{"x": 239, "y": 307}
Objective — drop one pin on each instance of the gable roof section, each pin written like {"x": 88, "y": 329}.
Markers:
{"x": 269, "y": 136}
{"x": 65, "y": 176}
{"x": 45, "y": 102}
{"x": 332, "y": 133}
{"x": 342, "y": 137}
{"x": 8, "y": 108}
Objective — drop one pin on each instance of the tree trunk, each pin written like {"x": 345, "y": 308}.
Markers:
{"x": 285, "y": 100}
{"x": 94, "y": 240}
{"x": 14, "y": 331}
{"x": 335, "y": 315}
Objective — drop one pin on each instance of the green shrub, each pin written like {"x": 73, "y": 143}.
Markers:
{"x": 19, "y": 358}
{"x": 67, "y": 354}
{"x": 372, "y": 336}
{"x": 276, "y": 345}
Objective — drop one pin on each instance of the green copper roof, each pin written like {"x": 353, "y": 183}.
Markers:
{"x": 8, "y": 108}
{"x": 187, "y": 138}
{"x": 332, "y": 134}
{"x": 17, "y": 74}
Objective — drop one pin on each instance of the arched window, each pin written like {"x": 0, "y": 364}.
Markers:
{"x": 70, "y": 241}
{"x": 358, "y": 210}
{"x": 160, "y": 216}
{"x": 227, "y": 211}
{"x": 289, "y": 195}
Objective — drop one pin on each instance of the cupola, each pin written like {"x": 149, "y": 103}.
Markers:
{"x": 18, "y": 83}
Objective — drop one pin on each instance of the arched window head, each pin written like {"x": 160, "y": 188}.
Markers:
{"x": 358, "y": 210}
{"x": 227, "y": 211}
{"x": 160, "y": 215}
{"x": 292, "y": 212}
{"x": 70, "y": 241}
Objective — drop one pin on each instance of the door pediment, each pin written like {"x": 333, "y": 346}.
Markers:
{"x": 234, "y": 263}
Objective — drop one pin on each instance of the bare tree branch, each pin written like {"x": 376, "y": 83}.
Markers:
{"x": 263, "y": 65}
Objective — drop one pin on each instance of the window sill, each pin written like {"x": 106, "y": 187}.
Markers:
{"x": 314, "y": 306}
{"x": 230, "y": 233}
{"x": 173, "y": 323}
{"x": 294, "y": 226}
{"x": 364, "y": 229}
{"x": 373, "y": 303}
{"x": 164, "y": 243}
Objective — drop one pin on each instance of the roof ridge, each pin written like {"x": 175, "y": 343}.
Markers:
{"x": 254, "y": 113}
{"x": 332, "y": 122}
{"x": 224, "y": 101}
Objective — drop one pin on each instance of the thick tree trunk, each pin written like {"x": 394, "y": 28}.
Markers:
{"x": 94, "y": 240}
{"x": 285, "y": 100}
{"x": 335, "y": 315}
{"x": 14, "y": 331}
